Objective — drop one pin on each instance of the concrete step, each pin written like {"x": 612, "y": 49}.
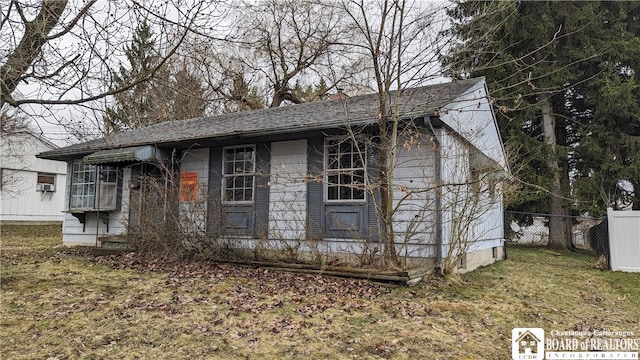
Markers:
{"x": 114, "y": 245}
{"x": 114, "y": 239}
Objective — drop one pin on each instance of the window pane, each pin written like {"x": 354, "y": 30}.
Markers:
{"x": 248, "y": 182}
{"x": 238, "y": 170}
{"x": 332, "y": 179}
{"x": 229, "y": 155}
{"x": 83, "y": 185}
{"x": 345, "y": 167}
{"x": 345, "y": 161}
{"x": 332, "y": 193}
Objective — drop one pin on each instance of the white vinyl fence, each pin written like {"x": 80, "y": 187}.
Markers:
{"x": 624, "y": 240}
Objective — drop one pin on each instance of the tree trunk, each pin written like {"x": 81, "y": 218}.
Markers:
{"x": 558, "y": 235}
{"x": 35, "y": 36}
{"x": 389, "y": 254}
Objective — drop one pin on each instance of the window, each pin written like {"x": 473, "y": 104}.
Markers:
{"x": 344, "y": 169}
{"x": 108, "y": 189}
{"x": 83, "y": 185}
{"x": 46, "y": 182}
{"x": 238, "y": 173}
{"x": 85, "y": 181}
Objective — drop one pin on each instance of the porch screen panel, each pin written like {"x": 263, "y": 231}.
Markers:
{"x": 85, "y": 182}
{"x": 83, "y": 185}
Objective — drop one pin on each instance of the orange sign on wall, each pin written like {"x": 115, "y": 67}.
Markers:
{"x": 189, "y": 186}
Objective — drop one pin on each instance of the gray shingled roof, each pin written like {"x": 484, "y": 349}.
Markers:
{"x": 287, "y": 119}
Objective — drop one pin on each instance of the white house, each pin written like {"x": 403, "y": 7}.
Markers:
{"x": 31, "y": 189}
{"x": 306, "y": 177}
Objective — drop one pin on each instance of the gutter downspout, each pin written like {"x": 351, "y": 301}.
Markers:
{"x": 438, "y": 200}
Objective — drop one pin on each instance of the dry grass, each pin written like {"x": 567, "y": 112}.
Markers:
{"x": 61, "y": 305}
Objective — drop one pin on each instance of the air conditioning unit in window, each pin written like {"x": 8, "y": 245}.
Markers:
{"x": 45, "y": 187}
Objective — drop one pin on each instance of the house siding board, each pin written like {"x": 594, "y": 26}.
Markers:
{"x": 471, "y": 116}
{"x": 20, "y": 201}
{"x": 287, "y": 190}
{"x": 488, "y": 228}
{"x": 375, "y": 225}
{"x": 486, "y": 225}
{"x": 415, "y": 216}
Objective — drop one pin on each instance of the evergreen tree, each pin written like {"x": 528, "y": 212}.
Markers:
{"x": 241, "y": 96}
{"x": 161, "y": 91}
{"x": 608, "y": 110}
{"x": 133, "y": 108}
{"x": 310, "y": 93}
{"x": 551, "y": 66}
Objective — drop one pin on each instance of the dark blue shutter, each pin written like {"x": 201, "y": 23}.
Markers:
{"x": 261, "y": 191}
{"x": 315, "y": 203}
{"x": 214, "y": 205}
{"x": 373, "y": 159}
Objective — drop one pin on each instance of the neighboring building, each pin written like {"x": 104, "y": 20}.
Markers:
{"x": 538, "y": 232}
{"x": 31, "y": 189}
{"x": 305, "y": 176}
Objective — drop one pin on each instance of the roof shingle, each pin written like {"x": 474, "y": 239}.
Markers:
{"x": 295, "y": 118}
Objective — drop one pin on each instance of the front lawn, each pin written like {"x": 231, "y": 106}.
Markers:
{"x": 59, "y": 304}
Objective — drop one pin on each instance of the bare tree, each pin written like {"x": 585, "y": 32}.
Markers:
{"x": 284, "y": 42}
{"x": 63, "y": 53}
{"x": 399, "y": 40}
{"x": 11, "y": 128}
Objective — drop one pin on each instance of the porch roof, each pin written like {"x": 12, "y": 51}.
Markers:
{"x": 147, "y": 153}
{"x": 321, "y": 115}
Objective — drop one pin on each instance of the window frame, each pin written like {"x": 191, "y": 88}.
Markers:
{"x": 40, "y": 183}
{"x": 361, "y": 152}
{"x": 93, "y": 177}
{"x": 80, "y": 171}
{"x": 226, "y": 176}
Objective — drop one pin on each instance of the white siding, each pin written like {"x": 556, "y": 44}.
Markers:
{"x": 455, "y": 203}
{"x": 288, "y": 190}
{"x": 414, "y": 196}
{"x": 474, "y": 217}
{"x": 19, "y": 198}
{"x": 471, "y": 116}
